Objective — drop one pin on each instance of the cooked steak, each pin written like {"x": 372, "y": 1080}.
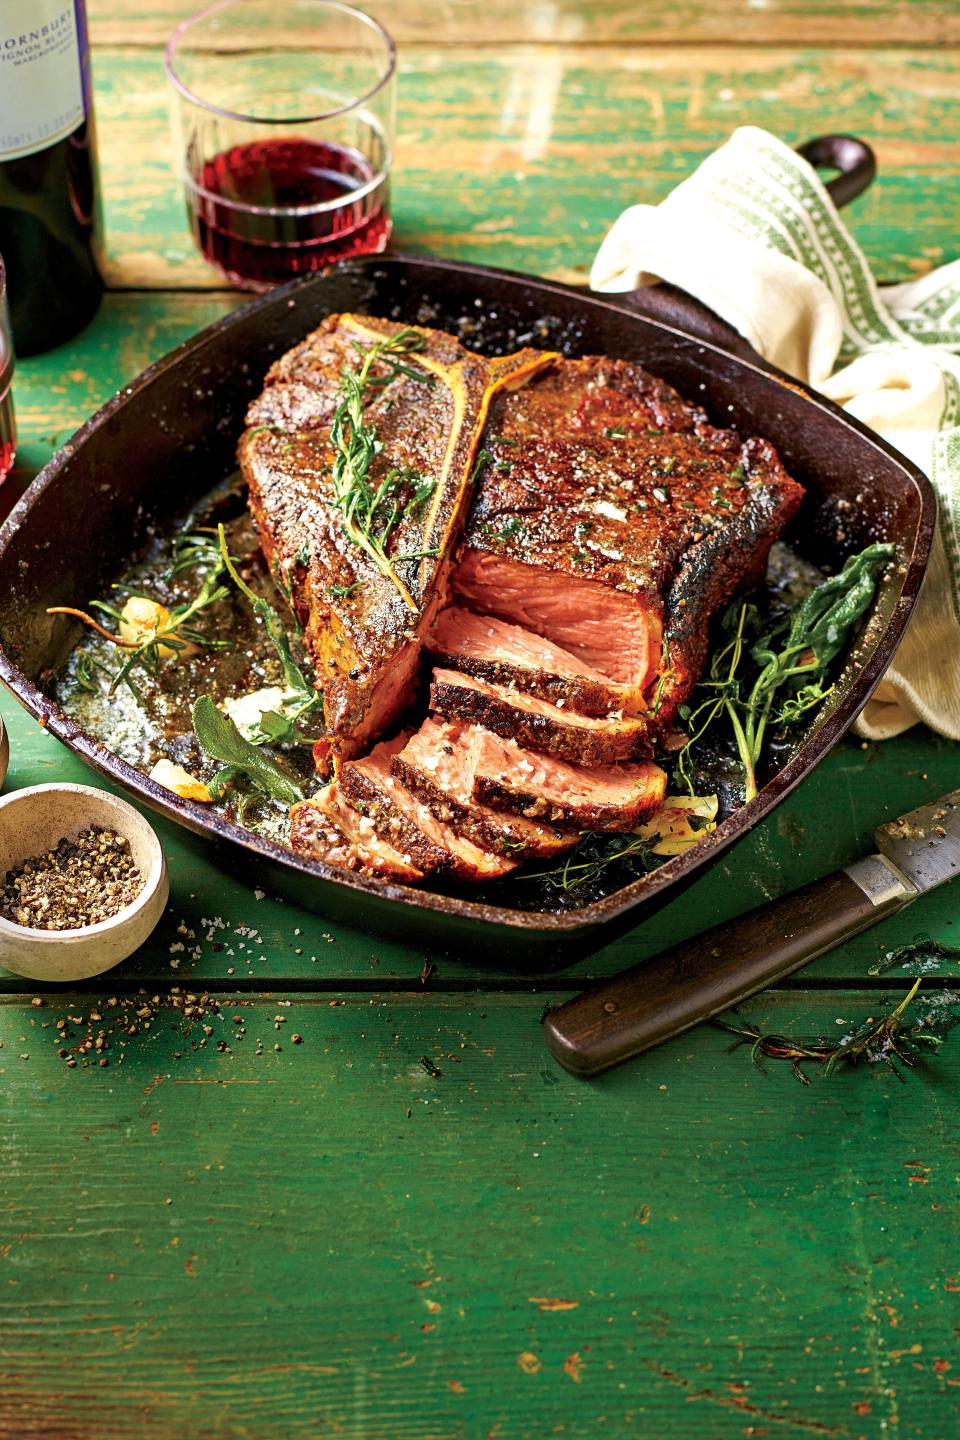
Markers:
{"x": 613, "y": 520}
{"x": 437, "y": 765}
{"x": 363, "y": 628}
{"x": 509, "y": 655}
{"x": 371, "y": 788}
{"x": 609, "y": 521}
{"x": 601, "y": 797}
{"x": 552, "y": 729}
{"x": 327, "y": 828}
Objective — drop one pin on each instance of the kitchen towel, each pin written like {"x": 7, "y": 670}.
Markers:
{"x": 754, "y": 235}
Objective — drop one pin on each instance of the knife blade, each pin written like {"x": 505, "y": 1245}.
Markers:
{"x": 924, "y": 844}
{"x": 666, "y": 994}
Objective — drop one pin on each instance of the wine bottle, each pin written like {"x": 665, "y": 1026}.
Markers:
{"x": 48, "y": 176}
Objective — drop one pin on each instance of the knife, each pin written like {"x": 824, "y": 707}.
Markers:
{"x": 701, "y": 977}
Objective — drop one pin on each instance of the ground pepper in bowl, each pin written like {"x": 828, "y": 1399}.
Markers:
{"x": 78, "y": 883}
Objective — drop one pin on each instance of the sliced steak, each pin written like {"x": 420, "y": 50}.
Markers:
{"x": 408, "y": 824}
{"x": 601, "y": 797}
{"x": 552, "y": 729}
{"x": 363, "y": 629}
{"x": 613, "y": 520}
{"x": 327, "y": 828}
{"x": 437, "y": 765}
{"x": 507, "y": 654}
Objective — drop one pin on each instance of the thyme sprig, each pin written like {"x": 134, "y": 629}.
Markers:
{"x": 888, "y": 1040}
{"x": 372, "y": 512}
{"x": 790, "y": 663}
{"x": 594, "y": 854}
{"x": 926, "y": 954}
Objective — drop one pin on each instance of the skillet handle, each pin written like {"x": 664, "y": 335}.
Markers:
{"x": 853, "y": 158}
{"x": 667, "y": 994}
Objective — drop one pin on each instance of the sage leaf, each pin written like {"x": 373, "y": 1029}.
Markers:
{"x": 218, "y": 737}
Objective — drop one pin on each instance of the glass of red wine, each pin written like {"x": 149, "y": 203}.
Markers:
{"x": 283, "y": 116}
{"x": 8, "y": 429}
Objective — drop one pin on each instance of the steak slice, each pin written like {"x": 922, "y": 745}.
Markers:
{"x": 327, "y": 828}
{"x": 613, "y": 520}
{"x": 437, "y": 765}
{"x": 373, "y": 790}
{"x": 535, "y": 723}
{"x": 601, "y": 797}
{"x": 507, "y": 654}
{"x": 362, "y": 628}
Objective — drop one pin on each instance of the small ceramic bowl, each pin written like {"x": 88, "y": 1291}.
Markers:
{"x": 32, "y": 821}
{"x": 4, "y": 751}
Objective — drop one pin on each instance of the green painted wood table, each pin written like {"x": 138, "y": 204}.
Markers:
{"x": 354, "y": 1197}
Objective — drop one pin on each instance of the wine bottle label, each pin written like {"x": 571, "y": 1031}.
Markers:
{"x": 41, "y": 85}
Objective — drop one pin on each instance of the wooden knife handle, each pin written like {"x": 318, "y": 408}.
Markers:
{"x": 691, "y": 982}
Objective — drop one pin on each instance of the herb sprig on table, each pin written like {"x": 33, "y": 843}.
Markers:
{"x": 371, "y": 512}
{"x": 890, "y": 1040}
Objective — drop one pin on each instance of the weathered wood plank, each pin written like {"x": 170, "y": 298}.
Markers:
{"x": 328, "y": 1240}
{"x": 523, "y": 157}
{"x": 623, "y": 22}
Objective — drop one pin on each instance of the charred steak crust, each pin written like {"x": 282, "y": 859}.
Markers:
{"x": 503, "y": 834}
{"x": 407, "y": 823}
{"x": 369, "y": 799}
{"x": 601, "y": 797}
{"x": 722, "y": 564}
{"x": 508, "y": 794}
{"x": 362, "y": 637}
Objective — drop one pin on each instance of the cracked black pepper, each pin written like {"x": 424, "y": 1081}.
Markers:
{"x": 79, "y": 882}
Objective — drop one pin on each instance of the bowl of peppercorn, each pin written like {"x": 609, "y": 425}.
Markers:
{"x": 83, "y": 881}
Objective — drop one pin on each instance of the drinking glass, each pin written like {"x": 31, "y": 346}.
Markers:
{"x": 283, "y": 115}
{"x": 8, "y": 429}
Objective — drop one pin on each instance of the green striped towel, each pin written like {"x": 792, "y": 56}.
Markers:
{"x": 754, "y": 235}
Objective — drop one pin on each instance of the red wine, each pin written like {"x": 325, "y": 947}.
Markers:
{"x": 245, "y": 213}
{"x": 48, "y": 183}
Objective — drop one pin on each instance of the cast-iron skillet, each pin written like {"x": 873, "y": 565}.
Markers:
{"x": 166, "y": 439}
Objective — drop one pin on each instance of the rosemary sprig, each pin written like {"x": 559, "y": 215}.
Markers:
{"x": 888, "y": 1039}
{"x": 790, "y": 663}
{"x": 372, "y": 512}
{"x": 174, "y": 631}
{"x": 193, "y": 547}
